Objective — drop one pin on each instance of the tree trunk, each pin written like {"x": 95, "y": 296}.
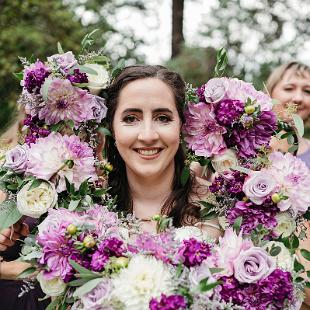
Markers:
{"x": 177, "y": 27}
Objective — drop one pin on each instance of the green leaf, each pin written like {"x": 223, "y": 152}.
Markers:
{"x": 86, "y": 69}
{"x": 215, "y": 270}
{"x": 307, "y": 285}
{"x": 118, "y": 69}
{"x": 293, "y": 148}
{"x": 19, "y": 75}
{"x": 70, "y": 123}
{"x": 308, "y": 273}
{"x": 54, "y": 304}
{"x": 78, "y": 282}
{"x": 298, "y": 266}
{"x": 35, "y": 183}
{"x": 26, "y": 272}
{"x": 99, "y": 192}
{"x": 100, "y": 59}
{"x": 81, "y": 85}
{"x": 299, "y": 124}
{"x": 12, "y": 187}
{"x": 185, "y": 175}
{"x": 84, "y": 188}
{"x": 221, "y": 61}
{"x": 57, "y": 127}
{"x": 88, "y": 40}
{"x": 59, "y": 48}
{"x": 87, "y": 287}
{"x": 275, "y": 250}
{"x": 206, "y": 214}
{"x": 73, "y": 205}
{"x": 79, "y": 268}
{"x": 290, "y": 139}
{"x": 237, "y": 223}
{"x": 104, "y": 131}
{"x": 204, "y": 286}
{"x": 307, "y": 214}
{"x": 305, "y": 253}
{"x": 9, "y": 214}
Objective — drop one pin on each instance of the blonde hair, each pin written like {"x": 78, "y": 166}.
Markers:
{"x": 277, "y": 74}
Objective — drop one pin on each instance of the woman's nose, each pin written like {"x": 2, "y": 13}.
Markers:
{"x": 148, "y": 133}
{"x": 297, "y": 96}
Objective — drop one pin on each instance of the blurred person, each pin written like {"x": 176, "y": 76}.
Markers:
{"x": 290, "y": 84}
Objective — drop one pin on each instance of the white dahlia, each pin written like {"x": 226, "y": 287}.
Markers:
{"x": 145, "y": 278}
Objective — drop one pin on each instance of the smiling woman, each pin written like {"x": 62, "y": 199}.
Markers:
{"x": 145, "y": 115}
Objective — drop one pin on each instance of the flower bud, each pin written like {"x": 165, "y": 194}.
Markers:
{"x": 71, "y": 229}
{"x": 156, "y": 217}
{"x": 276, "y": 198}
{"x": 250, "y": 109}
{"x": 89, "y": 242}
{"x": 108, "y": 167}
{"x": 121, "y": 262}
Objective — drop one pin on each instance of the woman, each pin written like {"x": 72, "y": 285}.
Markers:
{"x": 290, "y": 83}
{"x": 145, "y": 115}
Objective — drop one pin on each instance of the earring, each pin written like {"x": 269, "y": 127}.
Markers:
{"x": 115, "y": 143}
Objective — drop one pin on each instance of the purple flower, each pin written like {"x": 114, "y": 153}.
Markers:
{"x": 112, "y": 247}
{"x": 200, "y": 93}
{"x": 249, "y": 140}
{"x": 66, "y": 102}
{"x": 16, "y": 158}
{"x": 172, "y": 302}
{"x": 252, "y": 265}
{"x": 99, "y": 109}
{"x": 77, "y": 77}
{"x": 64, "y": 61}
{"x": 253, "y": 215}
{"x": 193, "y": 252}
{"x": 215, "y": 90}
{"x": 98, "y": 260}
{"x": 96, "y": 297}
{"x": 202, "y": 133}
{"x": 34, "y": 76}
{"x": 228, "y": 111}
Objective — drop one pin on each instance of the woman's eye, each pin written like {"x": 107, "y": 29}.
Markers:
{"x": 163, "y": 118}
{"x": 307, "y": 91}
{"x": 129, "y": 119}
{"x": 288, "y": 89}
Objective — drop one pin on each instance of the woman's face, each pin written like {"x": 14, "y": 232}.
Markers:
{"x": 293, "y": 89}
{"x": 146, "y": 127}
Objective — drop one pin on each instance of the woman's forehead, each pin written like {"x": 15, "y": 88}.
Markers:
{"x": 296, "y": 73}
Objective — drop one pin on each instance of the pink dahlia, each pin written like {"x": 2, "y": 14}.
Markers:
{"x": 56, "y": 157}
{"x": 293, "y": 179}
{"x": 66, "y": 102}
{"x": 202, "y": 133}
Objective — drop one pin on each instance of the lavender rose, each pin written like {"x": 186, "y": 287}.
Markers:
{"x": 215, "y": 90}
{"x": 258, "y": 186}
{"x": 16, "y": 158}
{"x": 252, "y": 265}
{"x": 96, "y": 297}
{"x": 65, "y": 61}
{"x": 99, "y": 109}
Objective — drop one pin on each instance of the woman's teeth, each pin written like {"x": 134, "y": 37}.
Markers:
{"x": 148, "y": 152}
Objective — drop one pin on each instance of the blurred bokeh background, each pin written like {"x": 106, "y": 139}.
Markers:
{"x": 181, "y": 34}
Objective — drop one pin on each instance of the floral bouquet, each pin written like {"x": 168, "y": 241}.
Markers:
{"x": 56, "y": 164}
{"x": 93, "y": 260}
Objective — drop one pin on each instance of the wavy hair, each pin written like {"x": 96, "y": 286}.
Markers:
{"x": 177, "y": 205}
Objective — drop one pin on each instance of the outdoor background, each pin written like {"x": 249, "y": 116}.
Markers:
{"x": 181, "y": 34}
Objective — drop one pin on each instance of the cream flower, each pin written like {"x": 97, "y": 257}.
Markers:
{"x": 284, "y": 259}
{"x": 187, "y": 232}
{"x": 99, "y": 81}
{"x": 144, "y": 279}
{"x": 286, "y": 224}
{"x": 36, "y": 201}
{"x": 54, "y": 287}
{"x": 224, "y": 162}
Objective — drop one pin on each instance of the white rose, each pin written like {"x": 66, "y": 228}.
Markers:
{"x": 53, "y": 287}
{"x": 187, "y": 232}
{"x": 99, "y": 81}
{"x": 286, "y": 224}
{"x": 284, "y": 259}
{"x": 224, "y": 162}
{"x": 215, "y": 90}
{"x": 36, "y": 201}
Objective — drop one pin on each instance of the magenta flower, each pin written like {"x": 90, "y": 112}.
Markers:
{"x": 172, "y": 302}
{"x": 193, "y": 252}
{"x": 202, "y": 133}
{"x": 229, "y": 111}
{"x": 66, "y": 102}
{"x": 98, "y": 261}
{"x": 34, "y": 76}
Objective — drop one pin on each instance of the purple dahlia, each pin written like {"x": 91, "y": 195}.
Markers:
{"x": 228, "y": 111}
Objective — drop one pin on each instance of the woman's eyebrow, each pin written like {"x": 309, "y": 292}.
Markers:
{"x": 132, "y": 110}
{"x": 162, "y": 110}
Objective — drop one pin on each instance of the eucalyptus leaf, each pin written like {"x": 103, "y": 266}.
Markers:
{"x": 293, "y": 148}
{"x": 275, "y": 250}
{"x": 215, "y": 270}
{"x": 119, "y": 67}
{"x": 35, "y": 183}
{"x": 237, "y": 223}
{"x": 298, "y": 266}
{"x": 87, "y": 287}
{"x": 299, "y": 124}
{"x": 241, "y": 169}
{"x": 32, "y": 255}
{"x": 19, "y": 75}
{"x": 73, "y": 205}
{"x": 79, "y": 268}
{"x": 59, "y": 48}
{"x": 9, "y": 214}
{"x": 85, "y": 69}
{"x": 45, "y": 88}
{"x": 104, "y": 131}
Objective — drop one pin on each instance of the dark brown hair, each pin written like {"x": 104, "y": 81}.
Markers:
{"x": 178, "y": 205}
